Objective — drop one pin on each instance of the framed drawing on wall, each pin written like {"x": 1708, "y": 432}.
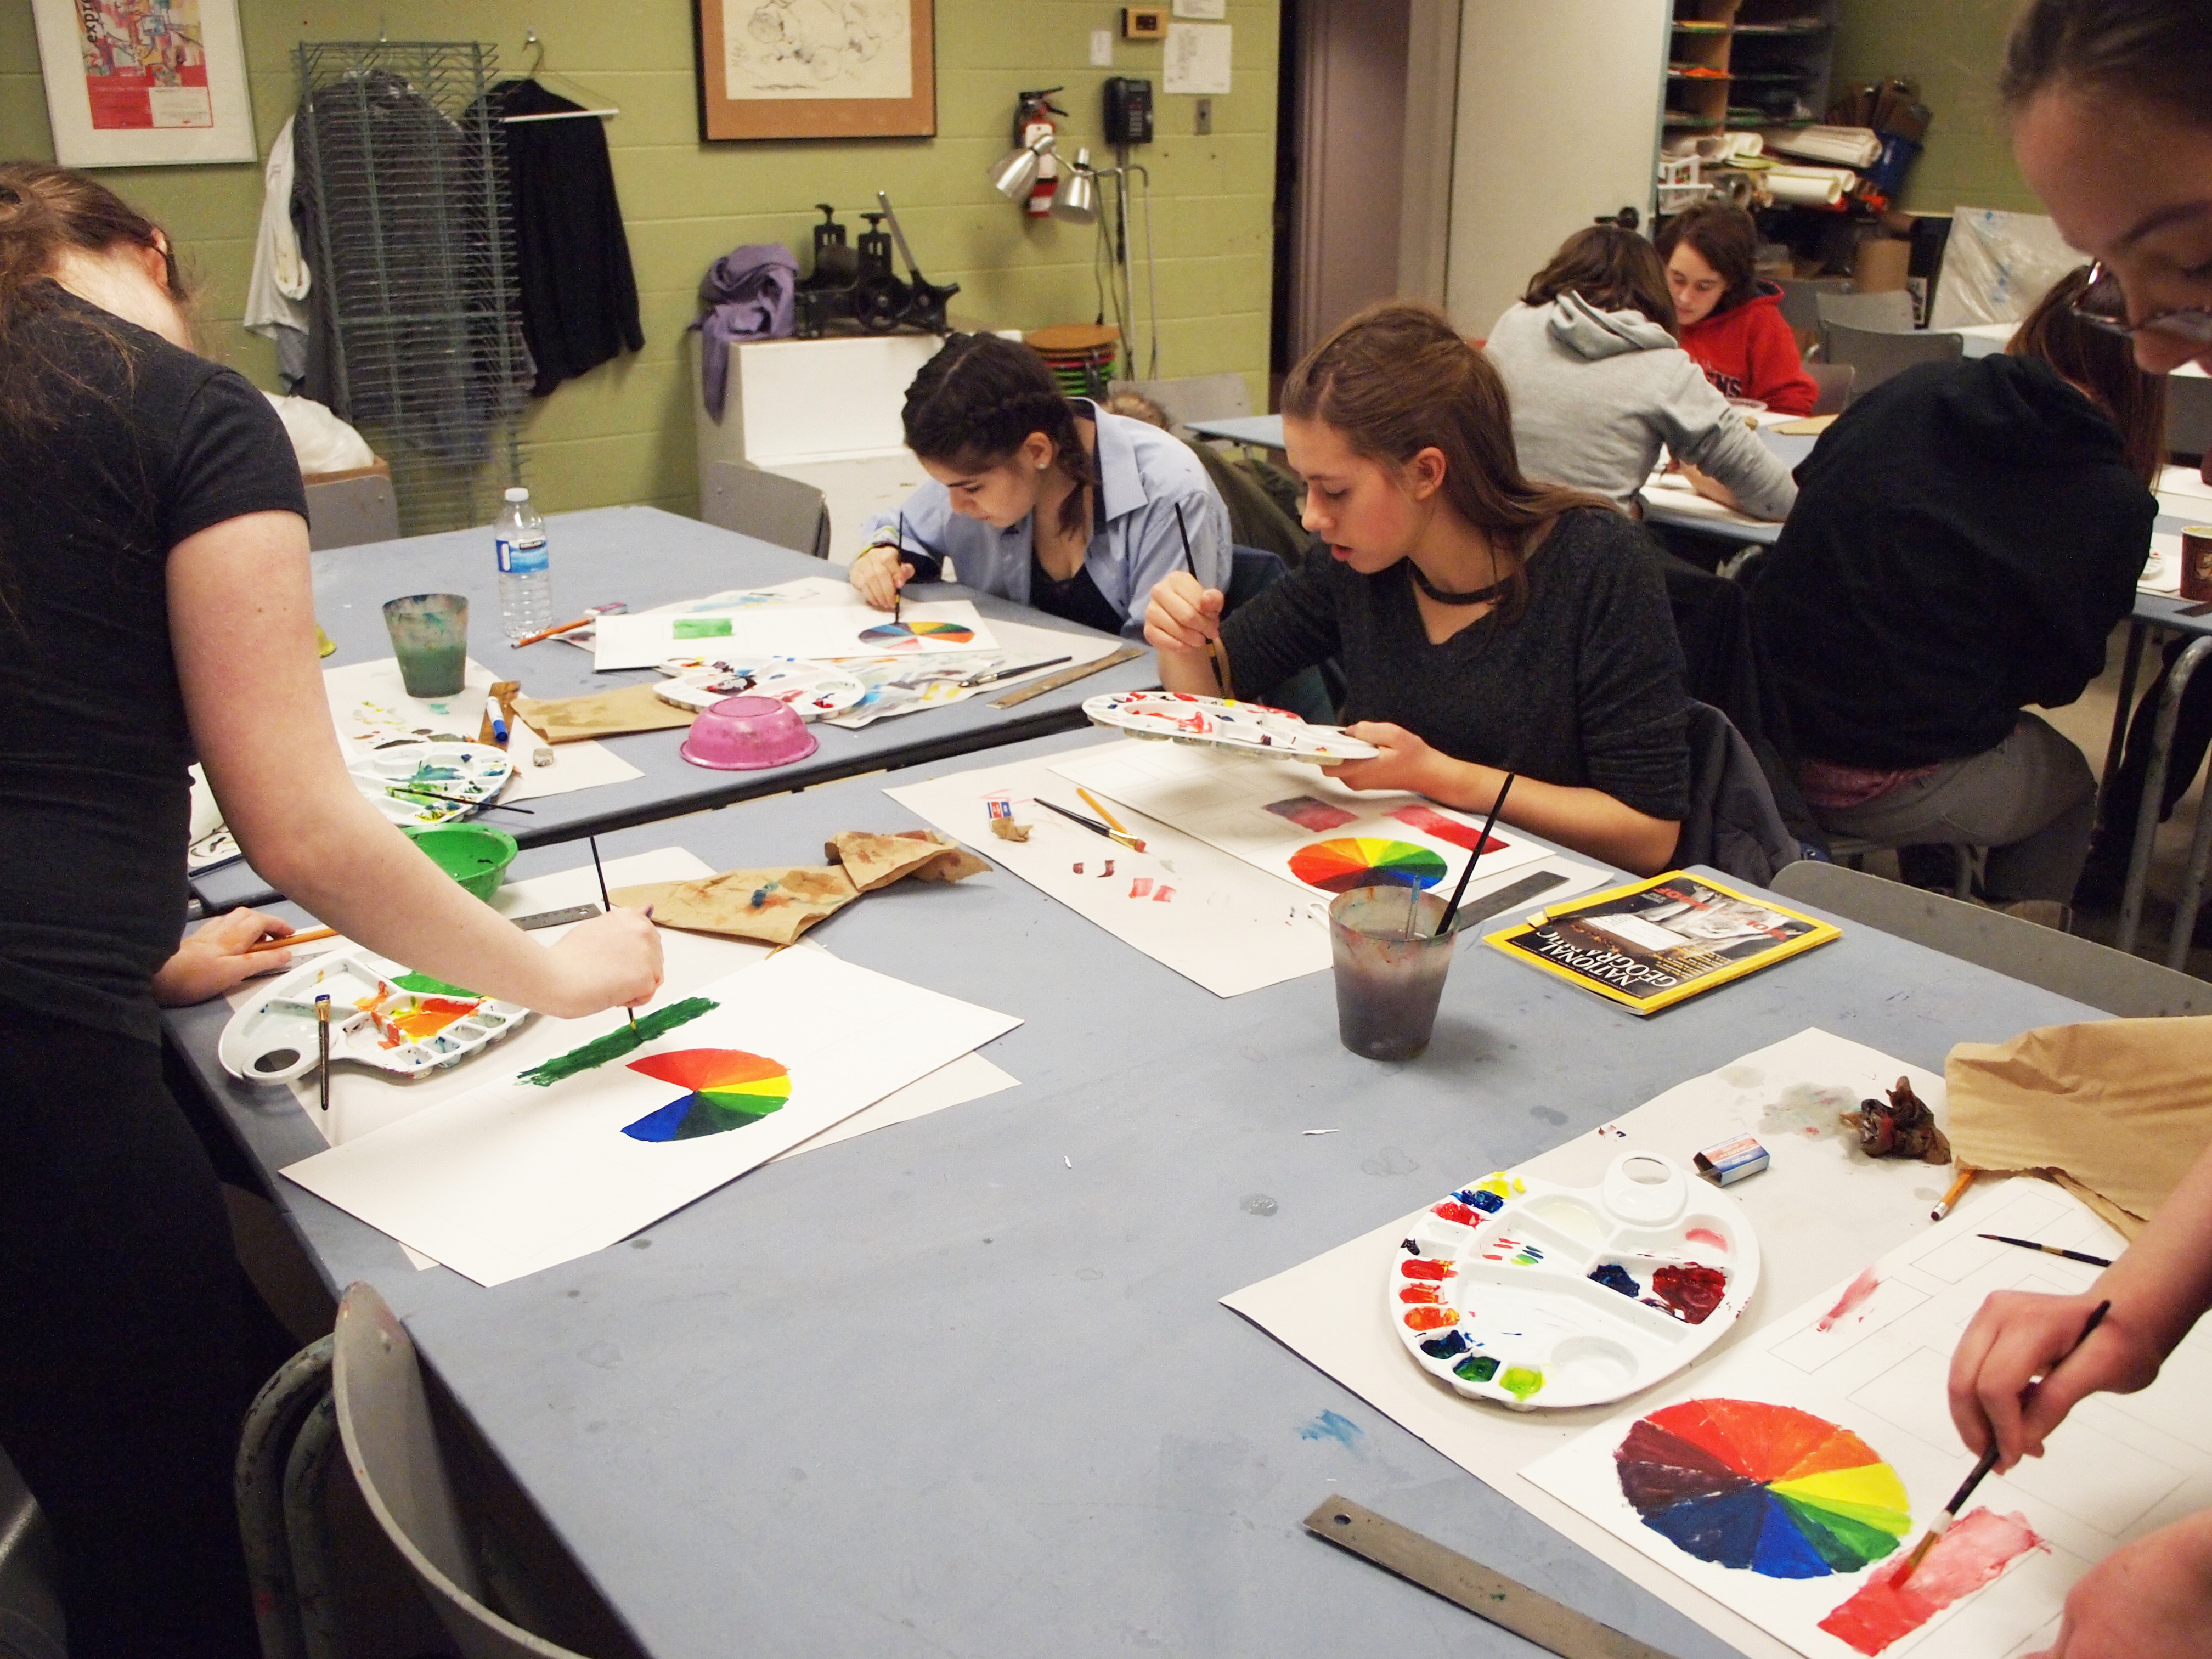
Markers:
{"x": 815, "y": 69}
{"x": 144, "y": 83}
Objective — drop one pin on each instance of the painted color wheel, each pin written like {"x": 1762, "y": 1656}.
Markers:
{"x": 897, "y": 633}
{"x": 729, "y": 1089}
{"x": 1338, "y": 866}
{"x": 1743, "y": 1483}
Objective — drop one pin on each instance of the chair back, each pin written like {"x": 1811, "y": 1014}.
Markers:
{"x": 1194, "y": 397}
{"x": 350, "y": 509}
{"x": 767, "y": 506}
{"x": 1889, "y": 311}
{"x": 391, "y": 1442}
{"x": 2077, "y": 968}
{"x": 1835, "y": 382}
{"x": 1801, "y": 306}
{"x": 1733, "y": 823}
{"x": 2188, "y": 414}
{"x": 1877, "y": 356}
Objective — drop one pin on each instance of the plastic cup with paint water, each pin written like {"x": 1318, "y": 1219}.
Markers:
{"x": 1391, "y": 967}
{"x": 430, "y": 637}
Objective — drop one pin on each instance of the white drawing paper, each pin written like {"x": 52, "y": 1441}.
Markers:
{"x": 511, "y": 1177}
{"x": 815, "y": 49}
{"x": 1197, "y": 58}
{"x": 1271, "y": 812}
{"x": 1225, "y": 924}
{"x": 1820, "y": 1210}
{"x": 2120, "y": 1467}
{"x": 823, "y": 628}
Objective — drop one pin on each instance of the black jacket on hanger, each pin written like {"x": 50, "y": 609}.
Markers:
{"x": 579, "y": 292}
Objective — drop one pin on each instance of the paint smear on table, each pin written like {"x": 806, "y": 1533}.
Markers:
{"x": 622, "y": 1040}
{"x": 1430, "y": 822}
{"x": 1979, "y": 1546}
{"x": 1333, "y": 1426}
{"x": 1859, "y": 1290}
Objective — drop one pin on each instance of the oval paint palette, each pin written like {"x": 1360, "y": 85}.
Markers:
{"x": 1244, "y": 728}
{"x": 1536, "y": 1296}
{"x": 811, "y": 690}
{"x": 382, "y": 1015}
{"x": 430, "y": 780}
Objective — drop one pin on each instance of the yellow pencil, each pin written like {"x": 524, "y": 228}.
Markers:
{"x": 1958, "y": 1191}
{"x": 1099, "y": 807}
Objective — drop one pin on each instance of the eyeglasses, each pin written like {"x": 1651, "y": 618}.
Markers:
{"x": 2101, "y": 304}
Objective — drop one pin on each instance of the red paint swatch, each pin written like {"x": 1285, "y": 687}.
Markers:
{"x": 1979, "y": 1546}
{"x": 1430, "y": 822}
{"x": 1141, "y": 887}
{"x": 1309, "y": 812}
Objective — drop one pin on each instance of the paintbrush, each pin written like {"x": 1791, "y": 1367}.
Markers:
{"x": 322, "y": 1049}
{"x": 1008, "y": 674}
{"x": 898, "y": 597}
{"x": 614, "y": 609}
{"x": 1100, "y": 807}
{"x": 404, "y": 792}
{"x": 2048, "y": 1249}
{"x": 606, "y": 903}
{"x": 1214, "y": 654}
{"x": 1481, "y": 840}
{"x": 1988, "y": 1460}
{"x": 289, "y": 941}
{"x": 1092, "y": 824}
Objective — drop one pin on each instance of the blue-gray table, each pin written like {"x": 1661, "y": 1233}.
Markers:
{"x": 962, "y": 1385}
{"x": 647, "y": 557}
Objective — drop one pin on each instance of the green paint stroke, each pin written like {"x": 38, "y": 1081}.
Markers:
{"x": 622, "y": 1040}
{"x": 424, "y": 985}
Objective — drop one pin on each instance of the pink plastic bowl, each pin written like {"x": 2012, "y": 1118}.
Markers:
{"x": 744, "y": 734}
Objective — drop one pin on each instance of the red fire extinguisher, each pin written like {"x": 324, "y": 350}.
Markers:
{"x": 1033, "y": 113}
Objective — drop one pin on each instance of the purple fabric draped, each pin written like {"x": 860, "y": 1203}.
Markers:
{"x": 748, "y": 293}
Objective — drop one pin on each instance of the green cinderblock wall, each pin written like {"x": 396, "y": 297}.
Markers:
{"x": 1952, "y": 51}
{"x": 623, "y": 434}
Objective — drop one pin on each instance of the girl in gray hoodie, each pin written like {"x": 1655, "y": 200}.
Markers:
{"x": 1600, "y": 385}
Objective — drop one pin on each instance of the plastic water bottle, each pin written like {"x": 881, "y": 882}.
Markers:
{"x": 525, "y": 577}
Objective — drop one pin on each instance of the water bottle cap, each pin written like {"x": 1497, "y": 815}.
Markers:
{"x": 517, "y": 493}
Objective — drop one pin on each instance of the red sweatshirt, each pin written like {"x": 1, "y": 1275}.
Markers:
{"x": 1748, "y": 351}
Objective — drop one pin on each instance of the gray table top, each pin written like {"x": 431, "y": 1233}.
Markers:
{"x": 647, "y": 557}
{"x": 962, "y": 1385}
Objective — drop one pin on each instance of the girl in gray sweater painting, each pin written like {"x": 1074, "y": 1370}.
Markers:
{"x": 1600, "y": 385}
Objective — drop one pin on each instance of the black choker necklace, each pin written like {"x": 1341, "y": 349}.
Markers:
{"x": 1480, "y": 596}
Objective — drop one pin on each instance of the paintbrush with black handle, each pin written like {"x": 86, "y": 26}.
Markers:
{"x": 1214, "y": 653}
{"x": 606, "y": 903}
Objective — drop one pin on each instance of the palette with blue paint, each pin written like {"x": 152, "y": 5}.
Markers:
{"x": 430, "y": 780}
{"x": 382, "y": 1016}
{"x": 1534, "y": 1295}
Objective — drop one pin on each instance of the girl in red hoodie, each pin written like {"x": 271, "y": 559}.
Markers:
{"x": 1731, "y": 320}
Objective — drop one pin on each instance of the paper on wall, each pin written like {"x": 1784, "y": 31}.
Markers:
{"x": 1197, "y": 58}
{"x": 511, "y": 1177}
{"x": 1213, "y": 8}
{"x": 820, "y": 629}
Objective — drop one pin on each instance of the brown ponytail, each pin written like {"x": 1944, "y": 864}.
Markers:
{"x": 2150, "y": 51}
{"x": 45, "y": 213}
{"x": 1398, "y": 379}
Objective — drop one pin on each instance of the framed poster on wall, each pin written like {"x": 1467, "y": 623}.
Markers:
{"x": 144, "y": 83}
{"x": 815, "y": 69}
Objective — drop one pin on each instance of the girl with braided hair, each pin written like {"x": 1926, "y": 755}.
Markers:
{"x": 1039, "y": 498}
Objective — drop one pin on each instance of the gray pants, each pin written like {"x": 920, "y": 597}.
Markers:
{"x": 2031, "y": 801}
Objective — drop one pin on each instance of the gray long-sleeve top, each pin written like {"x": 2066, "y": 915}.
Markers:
{"x": 1596, "y": 394}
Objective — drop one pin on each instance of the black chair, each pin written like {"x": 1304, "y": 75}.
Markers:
{"x": 1880, "y": 355}
{"x": 1313, "y": 694}
{"x": 1733, "y": 823}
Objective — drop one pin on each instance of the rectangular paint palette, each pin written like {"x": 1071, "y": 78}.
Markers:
{"x": 1536, "y": 1296}
{"x": 381, "y": 1015}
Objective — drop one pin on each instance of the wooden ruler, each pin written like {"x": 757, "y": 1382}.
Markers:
{"x": 1471, "y": 1585}
{"x": 1067, "y": 677}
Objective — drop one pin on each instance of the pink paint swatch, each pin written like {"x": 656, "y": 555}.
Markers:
{"x": 1430, "y": 822}
{"x": 1703, "y": 1236}
{"x": 1979, "y": 1546}
{"x": 1860, "y": 1288}
{"x": 1163, "y": 895}
{"x": 1141, "y": 887}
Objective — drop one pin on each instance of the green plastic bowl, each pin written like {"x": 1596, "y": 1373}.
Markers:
{"x": 474, "y": 854}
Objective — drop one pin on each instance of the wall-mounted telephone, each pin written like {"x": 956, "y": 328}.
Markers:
{"x": 1128, "y": 110}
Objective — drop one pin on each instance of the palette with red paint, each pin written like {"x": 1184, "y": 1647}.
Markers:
{"x": 1535, "y": 1295}
{"x": 1222, "y": 723}
{"x": 382, "y": 1016}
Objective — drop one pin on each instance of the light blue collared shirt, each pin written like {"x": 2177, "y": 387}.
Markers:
{"x": 1144, "y": 475}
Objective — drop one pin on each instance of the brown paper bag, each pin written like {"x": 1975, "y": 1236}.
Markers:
{"x": 874, "y": 861}
{"x": 602, "y": 714}
{"x": 2116, "y": 1111}
{"x": 773, "y": 907}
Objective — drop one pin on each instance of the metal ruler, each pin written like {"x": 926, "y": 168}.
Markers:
{"x": 1066, "y": 676}
{"x": 1486, "y": 1593}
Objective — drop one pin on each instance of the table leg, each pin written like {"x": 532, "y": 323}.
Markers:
{"x": 2131, "y": 667}
{"x": 2161, "y": 748}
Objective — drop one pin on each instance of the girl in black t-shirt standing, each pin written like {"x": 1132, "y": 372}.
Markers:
{"x": 155, "y": 606}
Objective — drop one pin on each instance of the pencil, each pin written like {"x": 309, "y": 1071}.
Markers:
{"x": 606, "y": 903}
{"x": 289, "y": 941}
{"x": 322, "y": 1049}
{"x": 1958, "y": 1191}
{"x": 1214, "y": 653}
{"x": 1988, "y": 1462}
{"x": 2048, "y": 1249}
{"x": 1099, "y": 807}
{"x": 558, "y": 628}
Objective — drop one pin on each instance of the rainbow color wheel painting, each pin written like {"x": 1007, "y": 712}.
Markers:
{"x": 893, "y": 636}
{"x": 1747, "y": 1484}
{"x": 1339, "y": 866}
{"x": 727, "y": 1089}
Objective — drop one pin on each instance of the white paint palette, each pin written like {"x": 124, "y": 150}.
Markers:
{"x": 1537, "y": 1296}
{"x": 377, "y": 1019}
{"x": 1220, "y": 723}
{"x": 468, "y": 774}
{"x": 811, "y": 690}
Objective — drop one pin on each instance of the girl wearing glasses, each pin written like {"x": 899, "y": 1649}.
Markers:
{"x": 2112, "y": 124}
